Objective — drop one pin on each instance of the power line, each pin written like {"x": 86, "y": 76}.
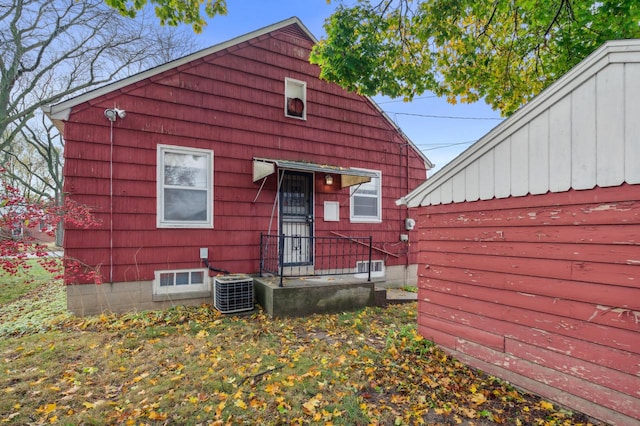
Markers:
{"x": 403, "y": 101}
{"x": 448, "y": 117}
{"x": 442, "y": 145}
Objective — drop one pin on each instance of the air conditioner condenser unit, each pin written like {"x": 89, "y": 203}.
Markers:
{"x": 233, "y": 293}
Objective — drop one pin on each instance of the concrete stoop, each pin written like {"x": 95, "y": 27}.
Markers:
{"x": 314, "y": 295}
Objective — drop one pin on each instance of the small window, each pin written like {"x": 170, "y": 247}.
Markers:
{"x": 377, "y": 269}
{"x": 366, "y": 200}
{"x": 180, "y": 281}
{"x": 295, "y": 99}
{"x": 185, "y": 187}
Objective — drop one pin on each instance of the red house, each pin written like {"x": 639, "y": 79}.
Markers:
{"x": 529, "y": 241}
{"x": 14, "y": 226}
{"x": 187, "y": 164}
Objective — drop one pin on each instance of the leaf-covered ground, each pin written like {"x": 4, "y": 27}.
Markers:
{"x": 195, "y": 366}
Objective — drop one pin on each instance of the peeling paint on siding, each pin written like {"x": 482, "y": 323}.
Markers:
{"x": 602, "y": 310}
{"x": 607, "y": 207}
{"x": 555, "y": 214}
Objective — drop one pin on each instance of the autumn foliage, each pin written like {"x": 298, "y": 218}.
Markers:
{"x": 20, "y": 218}
{"x": 193, "y": 365}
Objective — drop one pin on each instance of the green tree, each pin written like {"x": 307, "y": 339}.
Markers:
{"x": 174, "y": 12}
{"x": 502, "y": 51}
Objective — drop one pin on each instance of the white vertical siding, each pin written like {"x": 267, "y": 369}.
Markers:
{"x": 435, "y": 196}
{"x": 472, "y": 181}
{"x": 583, "y": 136}
{"x": 610, "y": 126}
{"x": 485, "y": 177}
{"x": 582, "y": 132}
{"x": 446, "y": 192}
{"x": 520, "y": 162}
{"x": 502, "y": 169}
{"x": 539, "y": 154}
{"x": 632, "y": 123}
{"x": 560, "y": 145}
{"x": 458, "y": 187}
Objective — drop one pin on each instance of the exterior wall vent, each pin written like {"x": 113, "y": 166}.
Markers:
{"x": 295, "y": 98}
{"x": 295, "y": 107}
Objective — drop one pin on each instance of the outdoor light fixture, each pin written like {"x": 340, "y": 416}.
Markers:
{"x": 113, "y": 113}
{"x": 328, "y": 179}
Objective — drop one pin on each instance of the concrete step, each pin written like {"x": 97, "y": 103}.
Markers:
{"x": 394, "y": 295}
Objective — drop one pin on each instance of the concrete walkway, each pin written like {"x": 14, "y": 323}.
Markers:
{"x": 398, "y": 295}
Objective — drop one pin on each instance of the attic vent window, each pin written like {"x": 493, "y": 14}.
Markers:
{"x": 295, "y": 98}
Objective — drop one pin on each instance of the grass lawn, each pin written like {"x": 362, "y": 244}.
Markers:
{"x": 194, "y": 366}
{"x": 13, "y": 287}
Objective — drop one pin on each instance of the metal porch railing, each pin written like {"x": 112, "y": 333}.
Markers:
{"x": 299, "y": 256}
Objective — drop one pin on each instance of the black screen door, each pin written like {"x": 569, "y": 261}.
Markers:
{"x": 296, "y": 217}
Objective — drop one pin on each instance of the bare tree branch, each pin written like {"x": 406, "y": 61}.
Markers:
{"x": 53, "y": 49}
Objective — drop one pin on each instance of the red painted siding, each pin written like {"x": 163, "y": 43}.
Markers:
{"x": 230, "y": 102}
{"x": 543, "y": 291}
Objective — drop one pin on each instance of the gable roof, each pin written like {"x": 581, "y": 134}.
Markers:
{"x": 58, "y": 113}
{"x": 582, "y": 131}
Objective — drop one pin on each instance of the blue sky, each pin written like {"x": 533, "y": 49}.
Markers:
{"x": 416, "y": 119}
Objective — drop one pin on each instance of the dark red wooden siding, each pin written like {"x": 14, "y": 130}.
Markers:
{"x": 543, "y": 291}
{"x": 230, "y": 102}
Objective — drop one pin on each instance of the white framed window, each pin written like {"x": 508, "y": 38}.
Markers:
{"x": 295, "y": 98}
{"x": 366, "y": 200}
{"x": 185, "y": 187}
{"x": 181, "y": 281}
{"x": 377, "y": 269}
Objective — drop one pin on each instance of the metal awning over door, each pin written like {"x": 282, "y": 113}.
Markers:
{"x": 263, "y": 167}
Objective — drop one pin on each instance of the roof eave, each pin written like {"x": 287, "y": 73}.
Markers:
{"x": 61, "y": 110}
{"x": 57, "y": 115}
{"x": 597, "y": 60}
{"x": 428, "y": 164}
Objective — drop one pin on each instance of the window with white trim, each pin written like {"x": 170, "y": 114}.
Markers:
{"x": 377, "y": 269}
{"x": 185, "y": 187}
{"x": 366, "y": 200}
{"x": 181, "y": 281}
{"x": 295, "y": 98}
